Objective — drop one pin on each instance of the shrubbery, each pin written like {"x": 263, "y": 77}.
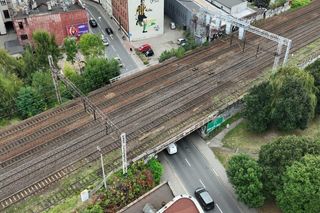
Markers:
{"x": 123, "y": 189}
{"x": 299, "y": 3}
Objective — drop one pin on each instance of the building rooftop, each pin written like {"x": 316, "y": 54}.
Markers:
{"x": 182, "y": 203}
{"x": 39, "y": 7}
{"x": 227, "y": 3}
{"x": 190, "y": 5}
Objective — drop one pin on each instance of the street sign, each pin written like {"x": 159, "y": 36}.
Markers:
{"x": 214, "y": 124}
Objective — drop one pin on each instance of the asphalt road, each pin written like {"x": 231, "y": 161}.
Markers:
{"x": 193, "y": 170}
{"x": 115, "y": 48}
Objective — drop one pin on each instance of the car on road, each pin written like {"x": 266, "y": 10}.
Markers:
{"x": 172, "y": 149}
{"x": 149, "y": 53}
{"x": 93, "y": 22}
{"x": 104, "y": 40}
{"x": 144, "y": 48}
{"x": 204, "y": 198}
{"x": 119, "y": 61}
{"x": 109, "y": 31}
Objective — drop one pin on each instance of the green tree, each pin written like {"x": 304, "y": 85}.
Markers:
{"x": 91, "y": 45}
{"x": 257, "y": 108}
{"x": 294, "y": 99}
{"x": 70, "y": 46}
{"x": 29, "y": 102}
{"x": 9, "y": 87}
{"x": 9, "y": 64}
{"x": 314, "y": 70}
{"x": 262, "y": 3}
{"x": 43, "y": 85}
{"x": 96, "y": 208}
{"x": 29, "y": 63}
{"x": 281, "y": 153}
{"x": 245, "y": 175}
{"x": 44, "y": 45}
{"x": 301, "y": 186}
{"x": 98, "y": 72}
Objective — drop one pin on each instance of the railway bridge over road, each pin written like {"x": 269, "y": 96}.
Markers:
{"x": 152, "y": 107}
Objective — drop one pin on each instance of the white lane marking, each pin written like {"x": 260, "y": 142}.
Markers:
{"x": 208, "y": 143}
{"x": 202, "y": 183}
{"x": 214, "y": 171}
{"x": 219, "y": 208}
{"x": 188, "y": 162}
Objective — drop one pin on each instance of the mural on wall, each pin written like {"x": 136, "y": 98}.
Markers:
{"x": 77, "y": 30}
{"x": 145, "y": 18}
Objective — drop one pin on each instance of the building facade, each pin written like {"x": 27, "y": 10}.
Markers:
{"x": 5, "y": 17}
{"x": 140, "y": 19}
{"x": 61, "y": 20}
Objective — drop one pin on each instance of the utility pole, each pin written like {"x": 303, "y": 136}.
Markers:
{"x": 124, "y": 152}
{"x": 102, "y": 166}
{"x": 54, "y": 75}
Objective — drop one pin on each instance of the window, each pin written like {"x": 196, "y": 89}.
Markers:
{"x": 24, "y": 37}
{"x": 20, "y": 25}
{"x": 6, "y": 14}
{"x": 3, "y": 2}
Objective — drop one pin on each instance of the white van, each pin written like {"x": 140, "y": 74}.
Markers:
{"x": 172, "y": 149}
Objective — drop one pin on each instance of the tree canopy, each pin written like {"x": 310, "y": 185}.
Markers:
{"x": 70, "y": 46}
{"x": 280, "y": 153}
{"x": 258, "y": 107}
{"x": 301, "y": 186}
{"x": 245, "y": 175}
{"x": 98, "y": 72}
{"x": 44, "y": 45}
{"x": 314, "y": 70}
{"x": 29, "y": 102}
{"x": 9, "y": 64}
{"x": 91, "y": 45}
{"x": 262, "y": 3}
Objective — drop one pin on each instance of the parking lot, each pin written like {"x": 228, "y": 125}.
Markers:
{"x": 161, "y": 43}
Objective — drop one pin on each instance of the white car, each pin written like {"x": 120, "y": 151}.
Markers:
{"x": 104, "y": 40}
{"x": 172, "y": 149}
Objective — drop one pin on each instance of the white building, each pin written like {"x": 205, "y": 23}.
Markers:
{"x": 5, "y": 15}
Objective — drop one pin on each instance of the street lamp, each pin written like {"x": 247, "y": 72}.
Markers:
{"x": 103, "y": 174}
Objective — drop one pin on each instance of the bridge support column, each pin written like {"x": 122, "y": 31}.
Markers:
{"x": 277, "y": 56}
{"x": 228, "y": 28}
{"x": 241, "y": 33}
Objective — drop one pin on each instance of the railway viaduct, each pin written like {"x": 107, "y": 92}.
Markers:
{"x": 157, "y": 106}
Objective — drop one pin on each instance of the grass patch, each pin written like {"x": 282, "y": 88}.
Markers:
{"x": 67, "y": 206}
{"x": 243, "y": 140}
{"x": 6, "y": 122}
{"x": 222, "y": 155}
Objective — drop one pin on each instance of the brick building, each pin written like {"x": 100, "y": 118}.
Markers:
{"x": 60, "y": 19}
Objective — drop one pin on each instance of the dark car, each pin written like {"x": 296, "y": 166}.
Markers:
{"x": 204, "y": 198}
{"x": 109, "y": 31}
{"x": 93, "y": 22}
{"x": 149, "y": 53}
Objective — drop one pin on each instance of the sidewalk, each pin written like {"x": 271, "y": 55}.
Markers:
{"x": 216, "y": 141}
{"x": 215, "y": 164}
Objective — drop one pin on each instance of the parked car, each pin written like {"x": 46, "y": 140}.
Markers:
{"x": 172, "y": 26}
{"x": 109, "y": 31}
{"x": 172, "y": 149}
{"x": 119, "y": 61}
{"x": 104, "y": 40}
{"x": 204, "y": 198}
{"x": 144, "y": 48}
{"x": 149, "y": 53}
{"x": 93, "y": 22}
{"x": 182, "y": 41}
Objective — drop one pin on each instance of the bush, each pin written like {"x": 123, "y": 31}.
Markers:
{"x": 167, "y": 54}
{"x": 156, "y": 168}
{"x": 179, "y": 53}
{"x": 299, "y": 3}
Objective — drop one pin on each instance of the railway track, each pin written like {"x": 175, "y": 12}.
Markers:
{"x": 198, "y": 83}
